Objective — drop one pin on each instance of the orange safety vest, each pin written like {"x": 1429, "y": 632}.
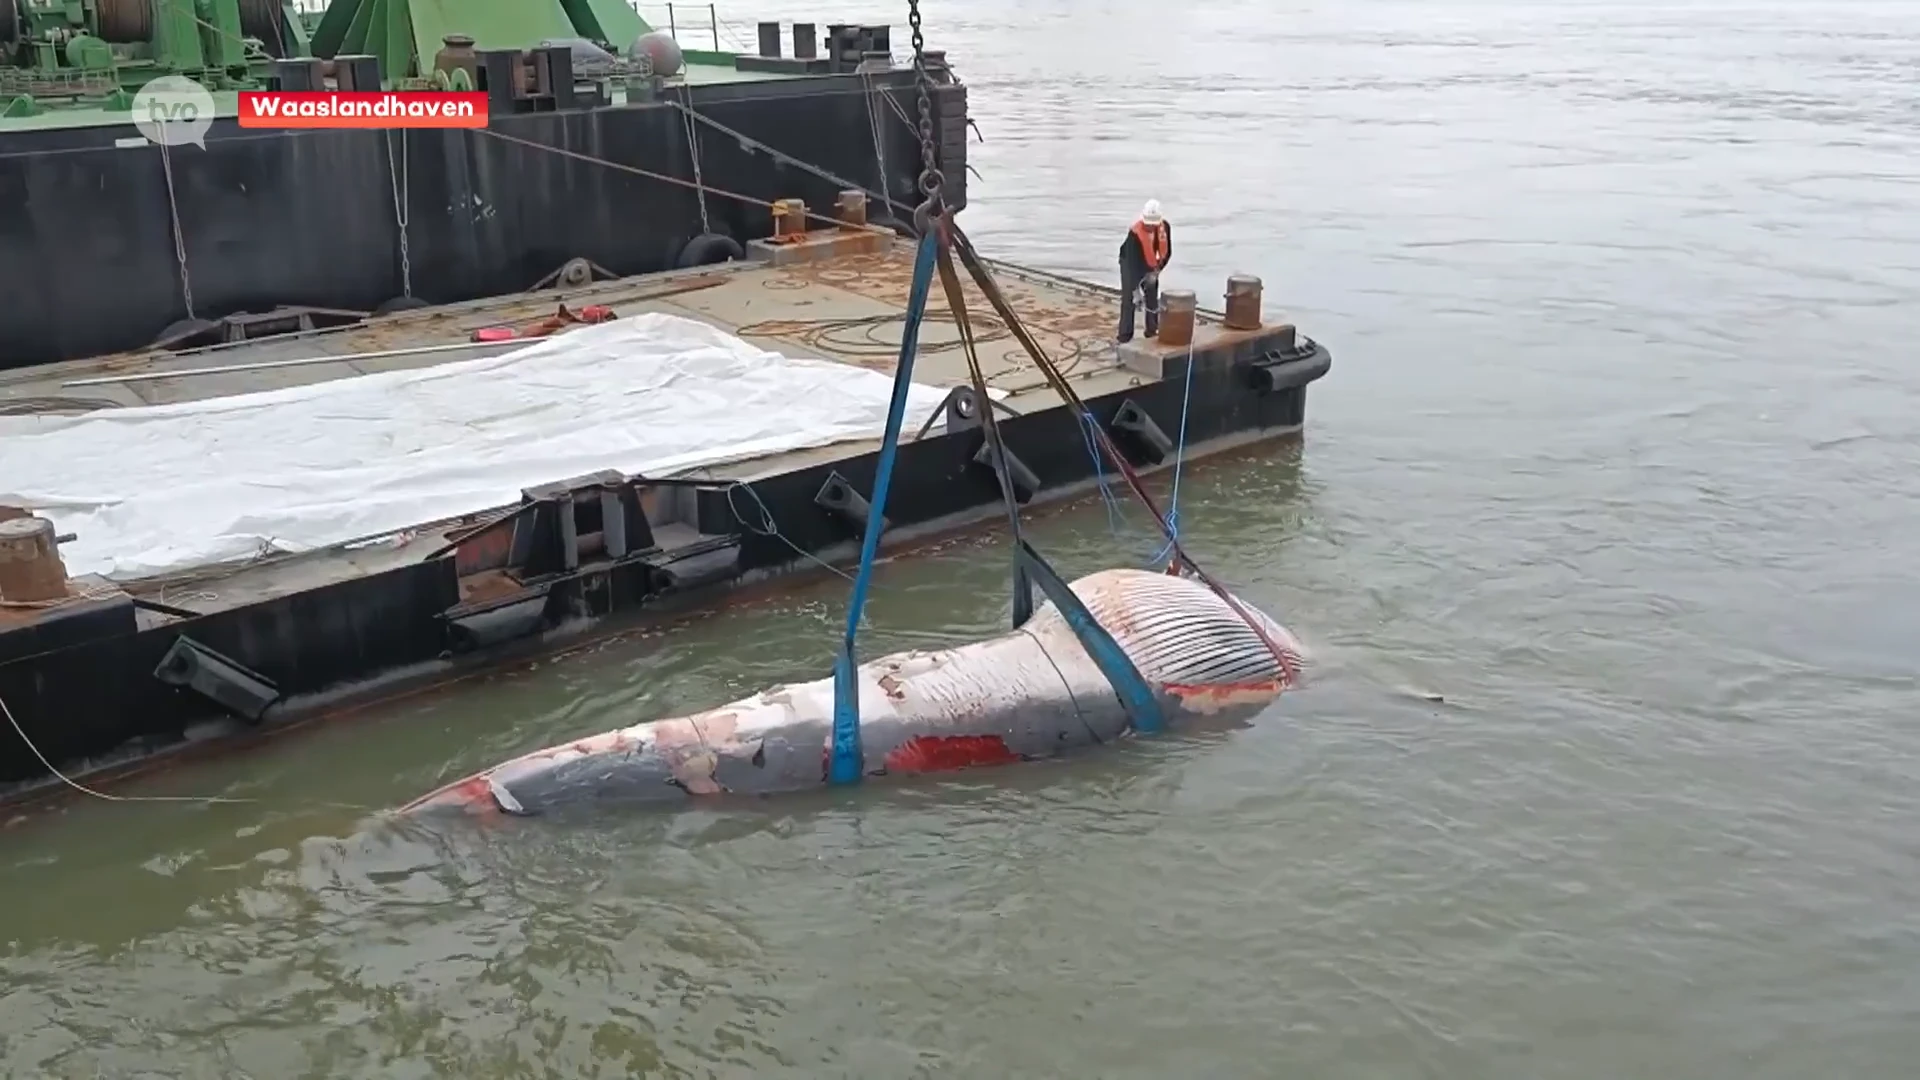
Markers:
{"x": 1153, "y": 244}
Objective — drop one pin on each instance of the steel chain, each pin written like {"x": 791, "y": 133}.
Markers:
{"x": 402, "y": 204}
{"x": 693, "y": 151}
{"x": 879, "y": 156}
{"x": 179, "y": 233}
{"x": 931, "y": 180}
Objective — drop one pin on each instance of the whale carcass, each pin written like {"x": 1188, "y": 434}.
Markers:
{"x": 1031, "y": 693}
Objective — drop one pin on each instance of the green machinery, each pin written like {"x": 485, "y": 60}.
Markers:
{"x": 98, "y": 53}
{"x": 405, "y": 34}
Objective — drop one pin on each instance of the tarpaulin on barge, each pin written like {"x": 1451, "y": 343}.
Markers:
{"x": 168, "y": 487}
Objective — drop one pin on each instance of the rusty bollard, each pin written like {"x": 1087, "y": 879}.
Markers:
{"x": 789, "y": 219}
{"x": 1243, "y": 302}
{"x": 851, "y": 209}
{"x": 1176, "y": 316}
{"x": 30, "y": 566}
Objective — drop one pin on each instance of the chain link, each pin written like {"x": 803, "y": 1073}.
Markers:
{"x": 402, "y": 204}
{"x": 879, "y": 155}
{"x": 930, "y": 178}
{"x": 179, "y": 234}
{"x": 693, "y": 151}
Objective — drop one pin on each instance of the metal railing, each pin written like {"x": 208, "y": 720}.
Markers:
{"x": 700, "y": 26}
{"x": 694, "y": 26}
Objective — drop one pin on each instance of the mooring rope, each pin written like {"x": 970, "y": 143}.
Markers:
{"x": 664, "y": 178}
{"x": 203, "y": 800}
{"x": 785, "y": 158}
{"x": 1179, "y": 455}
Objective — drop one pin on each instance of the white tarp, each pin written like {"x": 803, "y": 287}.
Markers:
{"x": 167, "y": 487}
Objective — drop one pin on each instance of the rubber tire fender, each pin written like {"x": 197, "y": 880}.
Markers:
{"x": 709, "y": 248}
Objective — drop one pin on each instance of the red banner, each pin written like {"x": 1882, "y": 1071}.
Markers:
{"x": 384, "y": 109}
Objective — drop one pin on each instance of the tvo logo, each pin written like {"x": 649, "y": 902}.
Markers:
{"x": 173, "y": 111}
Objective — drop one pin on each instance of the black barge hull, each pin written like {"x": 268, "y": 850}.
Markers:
{"x": 88, "y": 263}
{"x": 94, "y": 687}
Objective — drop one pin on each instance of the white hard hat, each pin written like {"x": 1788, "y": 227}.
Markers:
{"x": 1151, "y": 212}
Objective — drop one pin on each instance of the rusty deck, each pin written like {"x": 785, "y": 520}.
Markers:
{"x": 848, "y": 309}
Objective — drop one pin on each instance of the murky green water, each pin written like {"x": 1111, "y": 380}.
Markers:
{"x": 1619, "y": 457}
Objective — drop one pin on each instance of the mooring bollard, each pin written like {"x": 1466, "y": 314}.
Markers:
{"x": 1176, "y": 316}
{"x": 1243, "y": 302}
{"x": 789, "y": 219}
{"x": 30, "y": 566}
{"x": 851, "y": 209}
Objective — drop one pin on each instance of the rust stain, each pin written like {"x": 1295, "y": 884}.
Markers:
{"x": 1212, "y": 699}
{"x": 887, "y": 278}
{"x": 487, "y": 551}
{"x": 488, "y": 585}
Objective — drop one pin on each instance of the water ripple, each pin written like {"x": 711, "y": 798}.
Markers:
{"x": 1602, "y": 532}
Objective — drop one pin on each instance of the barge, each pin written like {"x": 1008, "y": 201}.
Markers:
{"x": 707, "y": 428}
{"x": 114, "y": 243}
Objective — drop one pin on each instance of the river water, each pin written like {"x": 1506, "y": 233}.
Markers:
{"x": 1618, "y": 460}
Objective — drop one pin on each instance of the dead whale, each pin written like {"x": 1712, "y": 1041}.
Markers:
{"x": 1031, "y": 693}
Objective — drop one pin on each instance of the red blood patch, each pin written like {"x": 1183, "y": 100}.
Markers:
{"x": 473, "y": 795}
{"x": 942, "y": 753}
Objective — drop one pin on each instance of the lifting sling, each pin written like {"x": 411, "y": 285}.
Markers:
{"x": 940, "y": 241}
{"x": 846, "y": 763}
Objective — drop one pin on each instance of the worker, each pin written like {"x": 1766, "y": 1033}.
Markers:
{"x": 1144, "y": 253}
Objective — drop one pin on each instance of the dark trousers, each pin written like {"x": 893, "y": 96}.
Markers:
{"x": 1149, "y": 292}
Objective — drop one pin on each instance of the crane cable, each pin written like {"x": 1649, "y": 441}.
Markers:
{"x": 991, "y": 290}
{"x": 845, "y": 755}
{"x": 990, "y": 424}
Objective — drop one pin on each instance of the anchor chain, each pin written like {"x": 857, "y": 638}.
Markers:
{"x": 179, "y": 233}
{"x": 693, "y": 150}
{"x": 931, "y": 180}
{"x": 402, "y": 206}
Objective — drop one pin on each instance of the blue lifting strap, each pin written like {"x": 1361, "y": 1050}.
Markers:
{"x": 1135, "y": 696}
{"x": 847, "y": 763}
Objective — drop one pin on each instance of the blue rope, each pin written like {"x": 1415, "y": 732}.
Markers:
{"x": 1088, "y": 425}
{"x": 846, "y": 763}
{"x": 1179, "y": 457}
